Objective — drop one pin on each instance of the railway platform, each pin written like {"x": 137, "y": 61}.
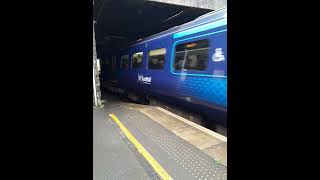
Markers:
{"x": 133, "y": 141}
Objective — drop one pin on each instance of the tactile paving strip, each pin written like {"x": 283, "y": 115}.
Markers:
{"x": 192, "y": 162}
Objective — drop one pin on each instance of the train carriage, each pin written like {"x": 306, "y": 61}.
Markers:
{"x": 186, "y": 65}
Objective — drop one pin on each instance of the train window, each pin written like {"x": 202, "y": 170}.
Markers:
{"x": 156, "y": 58}
{"x": 125, "y": 61}
{"x": 137, "y": 59}
{"x": 192, "y": 55}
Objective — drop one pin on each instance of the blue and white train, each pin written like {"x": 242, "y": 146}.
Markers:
{"x": 185, "y": 65}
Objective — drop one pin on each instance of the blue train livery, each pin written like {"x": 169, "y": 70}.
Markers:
{"x": 186, "y": 65}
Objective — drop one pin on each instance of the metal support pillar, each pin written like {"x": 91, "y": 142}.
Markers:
{"x": 96, "y": 72}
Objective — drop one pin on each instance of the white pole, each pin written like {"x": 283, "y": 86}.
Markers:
{"x": 94, "y": 75}
{"x": 94, "y": 87}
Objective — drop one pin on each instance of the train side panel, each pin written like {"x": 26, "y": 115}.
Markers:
{"x": 192, "y": 74}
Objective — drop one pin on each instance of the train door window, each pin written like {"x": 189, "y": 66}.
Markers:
{"x": 125, "y": 61}
{"x": 137, "y": 59}
{"x": 192, "y": 55}
{"x": 156, "y": 58}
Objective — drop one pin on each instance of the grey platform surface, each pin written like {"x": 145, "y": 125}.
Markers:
{"x": 115, "y": 158}
{"x": 179, "y": 158}
{"x": 112, "y": 157}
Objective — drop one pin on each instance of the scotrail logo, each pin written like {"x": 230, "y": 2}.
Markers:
{"x": 145, "y": 80}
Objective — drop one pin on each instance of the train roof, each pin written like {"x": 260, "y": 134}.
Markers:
{"x": 206, "y": 18}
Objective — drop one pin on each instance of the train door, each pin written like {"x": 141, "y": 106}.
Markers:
{"x": 156, "y": 54}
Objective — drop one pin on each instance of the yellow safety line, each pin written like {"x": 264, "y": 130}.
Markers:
{"x": 155, "y": 165}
